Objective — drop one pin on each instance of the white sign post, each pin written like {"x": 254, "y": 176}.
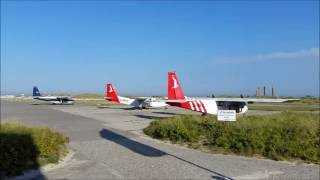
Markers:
{"x": 226, "y": 115}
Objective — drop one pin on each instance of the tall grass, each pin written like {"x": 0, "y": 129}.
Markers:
{"x": 285, "y": 135}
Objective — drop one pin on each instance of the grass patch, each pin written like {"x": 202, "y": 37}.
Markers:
{"x": 307, "y": 100}
{"x": 23, "y": 148}
{"x": 284, "y": 107}
{"x": 98, "y": 103}
{"x": 281, "y": 136}
{"x": 89, "y": 96}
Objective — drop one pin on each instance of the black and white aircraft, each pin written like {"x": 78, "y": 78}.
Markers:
{"x": 51, "y": 99}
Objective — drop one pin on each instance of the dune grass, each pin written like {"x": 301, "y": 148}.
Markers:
{"x": 23, "y": 148}
{"x": 281, "y": 136}
{"x": 89, "y": 96}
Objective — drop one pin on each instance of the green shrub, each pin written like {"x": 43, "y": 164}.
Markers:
{"x": 24, "y": 147}
{"x": 178, "y": 129}
{"x": 285, "y": 135}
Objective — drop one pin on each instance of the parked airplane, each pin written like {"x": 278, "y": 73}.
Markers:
{"x": 177, "y": 98}
{"x": 141, "y": 102}
{"x": 51, "y": 99}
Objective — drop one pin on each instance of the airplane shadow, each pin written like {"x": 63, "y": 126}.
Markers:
{"x": 148, "y": 117}
{"x": 168, "y": 113}
{"x": 149, "y": 151}
{"x": 122, "y": 108}
{"x": 220, "y": 178}
{"x": 134, "y": 146}
{"x": 37, "y": 104}
{"x": 41, "y": 104}
{"x": 51, "y": 104}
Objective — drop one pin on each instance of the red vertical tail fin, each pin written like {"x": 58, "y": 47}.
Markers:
{"x": 174, "y": 88}
{"x": 111, "y": 94}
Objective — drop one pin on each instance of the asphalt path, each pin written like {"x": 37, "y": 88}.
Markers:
{"x": 108, "y": 143}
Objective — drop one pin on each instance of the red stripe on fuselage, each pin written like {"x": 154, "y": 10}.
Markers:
{"x": 204, "y": 108}
{"x": 195, "y": 104}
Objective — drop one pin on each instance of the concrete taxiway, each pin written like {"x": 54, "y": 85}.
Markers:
{"x": 109, "y": 143}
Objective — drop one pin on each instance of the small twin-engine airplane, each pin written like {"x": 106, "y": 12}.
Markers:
{"x": 208, "y": 105}
{"x": 51, "y": 99}
{"x": 140, "y": 102}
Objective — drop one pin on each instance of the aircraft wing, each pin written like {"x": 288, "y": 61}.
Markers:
{"x": 253, "y": 100}
{"x": 151, "y": 99}
{"x": 147, "y": 99}
{"x": 142, "y": 98}
{"x": 64, "y": 98}
{"x": 248, "y": 100}
{"x": 177, "y": 100}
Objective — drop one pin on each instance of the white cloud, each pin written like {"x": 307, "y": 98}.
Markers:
{"x": 305, "y": 54}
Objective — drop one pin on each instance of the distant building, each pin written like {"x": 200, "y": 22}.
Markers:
{"x": 258, "y": 94}
{"x": 272, "y": 91}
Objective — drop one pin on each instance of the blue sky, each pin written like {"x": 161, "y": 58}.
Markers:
{"x": 221, "y": 47}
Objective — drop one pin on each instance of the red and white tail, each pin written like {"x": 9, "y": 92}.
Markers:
{"x": 175, "y": 93}
{"x": 174, "y": 88}
{"x": 111, "y": 94}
